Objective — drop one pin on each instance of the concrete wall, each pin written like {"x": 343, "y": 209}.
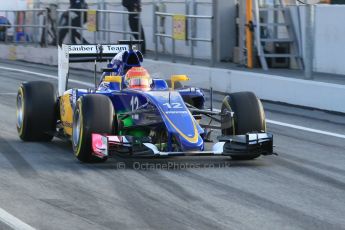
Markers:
{"x": 329, "y": 37}
{"x": 274, "y": 88}
{"x": 226, "y": 29}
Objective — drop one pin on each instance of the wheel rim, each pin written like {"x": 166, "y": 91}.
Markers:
{"x": 20, "y": 111}
{"x": 76, "y": 128}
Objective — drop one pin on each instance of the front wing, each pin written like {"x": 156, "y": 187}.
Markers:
{"x": 241, "y": 145}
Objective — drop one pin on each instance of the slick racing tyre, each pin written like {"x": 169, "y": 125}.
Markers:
{"x": 93, "y": 114}
{"x": 36, "y": 111}
{"x": 249, "y": 116}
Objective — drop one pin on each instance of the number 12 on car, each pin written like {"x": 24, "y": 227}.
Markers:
{"x": 175, "y": 105}
{"x": 135, "y": 105}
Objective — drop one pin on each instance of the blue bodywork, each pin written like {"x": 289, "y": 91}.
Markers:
{"x": 159, "y": 107}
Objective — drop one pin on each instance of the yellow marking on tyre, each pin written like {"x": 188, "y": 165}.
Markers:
{"x": 232, "y": 119}
{"x": 80, "y": 140}
{"x": 23, "y": 111}
{"x": 262, "y": 111}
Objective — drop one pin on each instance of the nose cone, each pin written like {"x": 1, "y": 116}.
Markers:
{"x": 178, "y": 120}
{"x": 190, "y": 146}
{"x": 184, "y": 127}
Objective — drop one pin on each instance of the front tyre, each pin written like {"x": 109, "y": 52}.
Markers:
{"x": 249, "y": 116}
{"x": 94, "y": 113}
{"x": 36, "y": 111}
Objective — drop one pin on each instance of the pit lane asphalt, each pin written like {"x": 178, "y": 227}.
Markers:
{"x": 43, "y": 185}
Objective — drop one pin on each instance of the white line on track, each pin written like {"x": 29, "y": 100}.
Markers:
{"x": 267, "y": 120}
{"x": 13, "y": 222}
{"x": 45, "y": 75}
{"x": 306, "y": 129}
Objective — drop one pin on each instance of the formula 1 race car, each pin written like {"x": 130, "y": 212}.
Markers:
{"x": 130, "y": 114}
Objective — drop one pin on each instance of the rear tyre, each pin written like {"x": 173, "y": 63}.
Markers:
{"x": 249, "y": 116}
{"x": 93, "y": 114}
{"x": 36, "y": 111}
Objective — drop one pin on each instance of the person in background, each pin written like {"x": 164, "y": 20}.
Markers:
{"x": 50, "y": 21}
{"x": 76, "y": 21}
{"x": 4, "y": 25}
{"x": 133, "y": 20}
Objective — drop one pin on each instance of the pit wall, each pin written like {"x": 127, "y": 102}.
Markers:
{"x": 313, "y": 94}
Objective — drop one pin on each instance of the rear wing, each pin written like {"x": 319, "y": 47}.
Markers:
{"x": 83, "y": 53}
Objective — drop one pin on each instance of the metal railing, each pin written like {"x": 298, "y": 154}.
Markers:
{"x": 190, "y": 36}
{"x": 116, "y": 22}
{"x": 29, "y": 20}
{"x": 99, "y": 13}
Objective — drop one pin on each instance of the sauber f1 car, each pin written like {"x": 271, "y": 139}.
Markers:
{"x": 130, "y": 114}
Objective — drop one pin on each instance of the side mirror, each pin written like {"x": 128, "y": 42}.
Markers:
{"x": 107, "y": 70}
{"x": 175, "y": 78}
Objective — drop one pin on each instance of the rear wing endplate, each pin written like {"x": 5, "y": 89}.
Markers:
{"x": 83, "y": 53}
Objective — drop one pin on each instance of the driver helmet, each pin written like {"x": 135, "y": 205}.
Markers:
{"x": 138, "y": 78}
